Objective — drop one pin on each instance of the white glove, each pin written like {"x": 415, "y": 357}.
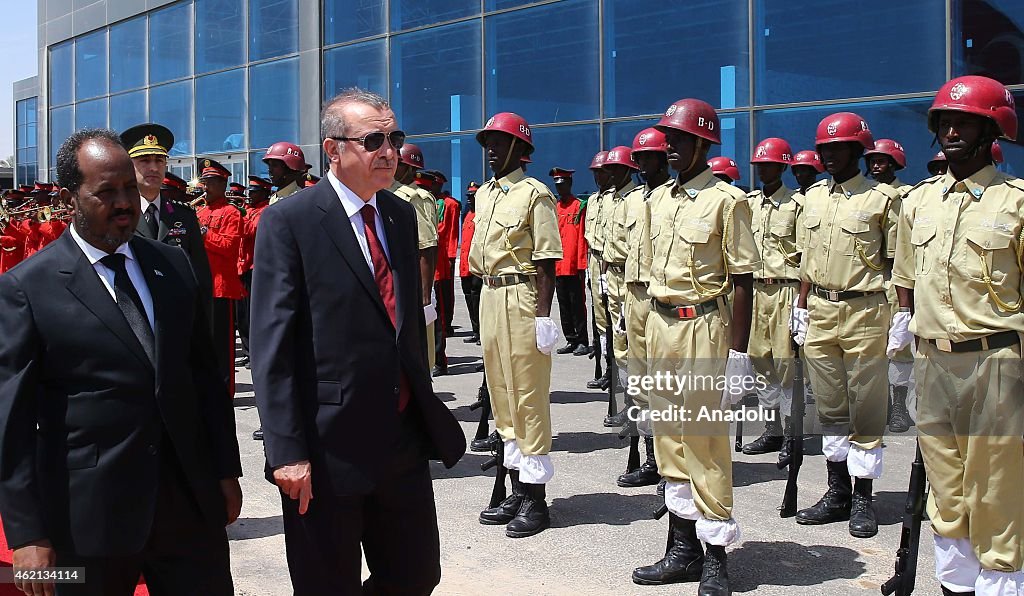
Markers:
{"x": 620, "y": 325}
{"x": 739, "y": 377}
{"x": 798, "y": 324}
{"x": 899, "y": 334}
{"x": 430, "y": 313}
{"x": 602, "y": 284}
{"x": 547, "y": 334}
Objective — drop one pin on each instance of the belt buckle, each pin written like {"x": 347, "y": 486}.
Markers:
{"x": 491, "y": 281}
{"x": 686, "y": 312}
{"x": 944, "y": 345}
{"x": 832, "y": 295}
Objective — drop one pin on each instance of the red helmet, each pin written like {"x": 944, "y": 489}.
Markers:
{"x": 981, "y": 96}
{"x": 650, "y": 139}
{"x": 809, "y": 158}
{"x": 940, "y": 156}
{"x": 997, "y": 152}
{"x": 598, "y": 161}
{"x": 693, "y": 116}
{"x": 891, "y": 148}
{"x": 510, "y": 123}
{"x": 725, "y": 165}
{"x": 844, "y": 127}
{"x": 525, "y": 159}
{"x": 773, "y": 150}
{"x": 290, "y": 154}
{"x": 622, "y": 156}
{"x": 411, "y": 156}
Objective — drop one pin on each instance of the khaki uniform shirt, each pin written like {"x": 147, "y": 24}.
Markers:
{"x": 637, "y": 269}
{"x": 849, "y": 230}
{"x": 426, "y": 212}
{"x": 699, "y": 235}
{"x": 615, "y": 247}
{"x": 774, "y": 224}
{"x": 958, "y": 249}
{"x": 591, "y": 219}
{"x": 285, "y": 192}
{"x": 516, "y": 225}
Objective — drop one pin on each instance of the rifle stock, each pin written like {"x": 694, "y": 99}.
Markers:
{"x": 613, "y": 368}
{"x": 498, "y": 492}
{"x": 795, "y": 459}
{"x": 903, "y": 581}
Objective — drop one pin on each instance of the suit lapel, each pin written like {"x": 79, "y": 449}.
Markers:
{"x": 85, "y": 284}
{"x": 165, "y": 220}
{"x": 395, "y": 248}
{"x": 339, "y": 229}
{"x": 158, "y": 291}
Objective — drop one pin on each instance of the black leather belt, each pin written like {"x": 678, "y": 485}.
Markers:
{"x": 620, "y": 267}
{"x": 775, "y": 281}
{"x": 642, "y": 284}
{"x": 839, "y": 295}
{"x": 1003, "y": 339}
{"x": 595, "y": 253}
{"x": 686, "y": 312}
{"x": 498, "y": 281}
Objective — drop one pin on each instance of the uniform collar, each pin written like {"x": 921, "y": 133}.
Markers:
{"x": 780, "y": 196}
{"x": 974, "y": 185}
{"x": 851, "y": 187}
{"x": 505, "y": 183}
{"x": 694, "y": 185}
{"x": 94, "y": 254}
{"x": 619, "y": 194}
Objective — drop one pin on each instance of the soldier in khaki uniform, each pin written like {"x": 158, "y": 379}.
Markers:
{"x": 590, "y": 234}
{"x": 701, "y": 250}
{"x": 958, "y": 266}
{"x": 649, "y": 151}
{"x": 842, "y": 318}
{"x": 806, "y": 167}
{"x": 887, "y": 158}
{"x": 287, "y": 166}
{"x": 776, "y": 211}
{"x": 514, "y": 249}
{"x": 410, "y": 160}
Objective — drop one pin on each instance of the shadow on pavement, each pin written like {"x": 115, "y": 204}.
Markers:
{"x": 468, "y": 467}
{"x": 445, "y": 396}
{"x": 746, "y": 473}
{"x": 247, "y": 528}
{"x": 889, "y": 506}
{"x": 243, "y": 387}
{"x": 757, "y": 564}
{"x": 587, "y": 442}
{"x": 464, "y": 414}
{"x": 580, "y": 397}
{"x": 240, "y": 402}
{"x": 604, "y": 509}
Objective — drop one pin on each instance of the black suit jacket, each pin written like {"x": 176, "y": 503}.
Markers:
{"x": 325, "y": 356}
{"x": 84, "y": 414}
{"x": 179, "y": 226}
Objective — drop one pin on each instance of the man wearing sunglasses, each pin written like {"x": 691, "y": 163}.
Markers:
{"x": 340, "y": 369}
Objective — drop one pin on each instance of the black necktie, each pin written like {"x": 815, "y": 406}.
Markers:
{"x": 130, "y": 304}
{"x": 151, "y": 220}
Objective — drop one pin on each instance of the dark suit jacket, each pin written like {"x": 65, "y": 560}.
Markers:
{"x": 179, "y": 227}
{"x": 325, "y": 356}
{"x": 84, "y": 414}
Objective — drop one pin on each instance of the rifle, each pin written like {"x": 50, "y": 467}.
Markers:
{"x": 795, "y": 458}
{"x": 631, "y": 431}
{"x": 483, "y": 403}
{"x": 738, "y": 446}
{"x": 613, "y": 368}
{"x": 902, "y": 582}
{"x": 498, "y": 493}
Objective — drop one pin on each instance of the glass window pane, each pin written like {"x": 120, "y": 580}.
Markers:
{"x": 127, "y": 110}
{"x": 273, "y": 28}
{"x": 256, "y": 165}
{"x": 638, "y": 78}
{"x": 170, "y": 43}
{"x": 435, "y": 76}
{"x": 622, "y": 133}
{"x": 128, "y": 58}
{"x": 220, "y": 41}
{"x": 60, "y": 73}
{"x": 903, "y": 120}
{"x": 406, "y": 14}
{"x": 61, "y": 127}
{"x": 458, "y": 156}
{"x": 171, "y": 105}
{"x": 542, "y": 62}
{"x": 274, "y": 103}
{"x": 567, "y": 147}
{"x": 91, "y": 65}
{"x": 32, "y": 110}
{"x": 735, "y": 129}
{"x": 91, "y": 114}
{"x": 220, "y": 112}
{"x": 345, "y": 20}
{"x": 360, "y": 65}
{"x": 889, "y": 47}
{"x": 988, "y": 39}
{"x": 490, "y": 5}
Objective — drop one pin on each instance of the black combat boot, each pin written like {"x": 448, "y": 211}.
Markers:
{"x": 899, "y": 416}
{"x": 714, "y": 581}
{"x": 533, "y": 517}
{"x": 507, "y": 509}
{"x": 619, "y": 420}
{"x": 787, "y": 434}
{"x": 568, "y": 348}
{"x": 599, "y": 382}
{"x": 862, "y": 514}
{"x": 835, "y": 504}
{"x": 485, "y": 444}
{"x": 771, "y": 440}
{"x": 581, "y": 350}
{"x": 683, "y": 558}
{"x": 646, "y": 474}
{"x": 661, "y": 488}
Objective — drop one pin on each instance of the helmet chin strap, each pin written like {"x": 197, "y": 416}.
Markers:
{"x": 696, "y": 153}
{"x": 508, "y": 156}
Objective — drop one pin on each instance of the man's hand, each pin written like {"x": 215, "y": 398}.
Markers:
{"x": 899, "y": 333}
{"x": 35, "y": 555}
{"x": 296, "y": 481}
{"x": 739, "y": 376}
{"x": 602, "y": 284}
{"x": 232, "y": 492}
{"x": 429, "y": 313}
{"x": 798, "y": 323}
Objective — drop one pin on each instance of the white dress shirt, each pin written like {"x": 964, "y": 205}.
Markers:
{"x": 353, "y": 208}
{"x": 106, "y": 274}
{"x": 145, "y": 203}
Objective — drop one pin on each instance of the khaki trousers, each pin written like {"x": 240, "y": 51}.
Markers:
{"x": 616, "y": 299}
{"x": 771, "y": 345}
{"x": 518, "y": 375}
{"x": 694, "y": 450}
{"x": 971, "y": 419}
{"x": 844, "y": 355}
{"x": 600, "y": 320}
{"x": 431, "y": 357}
{"x": 638, "y": 307}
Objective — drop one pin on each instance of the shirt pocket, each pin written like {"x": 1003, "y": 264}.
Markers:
{"x": 921, "y": 238}
{"x": 990, "y": 254}
{"x": 696, "y": 243}
{"x": 856, "y": 238}
{"x": 812, "y": 229}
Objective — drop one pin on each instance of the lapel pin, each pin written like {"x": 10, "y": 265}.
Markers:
{"x": 158, "y": 273}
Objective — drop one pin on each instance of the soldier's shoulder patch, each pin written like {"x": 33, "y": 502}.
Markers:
{"x": 926, "y": 182}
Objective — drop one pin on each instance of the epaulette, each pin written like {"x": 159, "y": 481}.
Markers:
{"x": 183, "y": 204}
{"x": 925, "y": 182}
{"x": 1014, "y": 182}
{"x": 890, "y": 192}
{"x": 735, "y": 193}
{"x": 538, "y": 186}
{"x": 822, "y": 182}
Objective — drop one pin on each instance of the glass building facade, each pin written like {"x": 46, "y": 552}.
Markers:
{"x": 230, "y": 77}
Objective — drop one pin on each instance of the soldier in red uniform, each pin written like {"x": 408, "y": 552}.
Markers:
{"x": 452, "y": 209}
{"x": 570, "y": 269}
{"x": 444, "y": 270}
{"x": 221, "y": 224}
{"x": 259, "y": 192}
{"x": 471, "y": 284}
